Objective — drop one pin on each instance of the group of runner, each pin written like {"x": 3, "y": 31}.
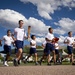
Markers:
{"x": 49, "y": 45}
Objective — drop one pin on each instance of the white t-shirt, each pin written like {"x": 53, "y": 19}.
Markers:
{"x": 44, "y": 43}
{"x": 20, "y": 34}
{"x": 50, "y": 36}
{"x": 56, "y": 46}
{"x": 8, "y": 40}
{"x": 70, "y": 39}
{"x": 33, "y": 42}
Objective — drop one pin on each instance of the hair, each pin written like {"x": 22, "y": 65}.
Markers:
{"x": 8, "y": 31}
{"x": 69, "y": 32}
{"x": 49, "y": 29}
{"x": 20, "y": 21}
{"x": 32, "y": 36}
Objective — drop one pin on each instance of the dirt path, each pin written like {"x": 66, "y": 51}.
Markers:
{"x": 38, "y": 70}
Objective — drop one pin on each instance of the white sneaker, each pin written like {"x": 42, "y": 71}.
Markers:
{"x": 5, "y": 64}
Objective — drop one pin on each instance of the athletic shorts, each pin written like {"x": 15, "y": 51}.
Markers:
{"x": 70, "y": 49}
{"x": 56, "y": 51}
{"x": 49, "y": 47}
{"x": 19, "y": 44}
{"x": 45, "y": 50}
{"x": 7, "y": 49}
{"x": 33, "y": 50}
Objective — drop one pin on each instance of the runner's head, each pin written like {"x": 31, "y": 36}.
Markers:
{"x": 9, "y": 32}
{"x": 33, "y": 37}
{"x": 21, "y": 23}
{"x": 50, "y": 30}
{"x": 70, "y": 33}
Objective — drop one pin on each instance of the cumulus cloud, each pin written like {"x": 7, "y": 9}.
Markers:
{"x": 61, "y": 40}
{"x": 9, "y": 18}
{"x": 65, "y": 25}
{"x": 59, "y": 31}
{"x": 47, "y": 7}
{"x": 38, "y": 27}
{"x": 40, "y": 40}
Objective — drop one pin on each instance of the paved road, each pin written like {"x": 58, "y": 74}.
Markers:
{"x": 38, "y": 70}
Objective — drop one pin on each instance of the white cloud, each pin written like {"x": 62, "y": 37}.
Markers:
{"x": 68, "y": 3}
{"x": 37, "y": 26}
{"x": 9, "y": 18}
{"x": 47, "y": 7}
{"x": 61, "y": 40}
{"x": 59, "y": 31}
{"x": 44, "y": 9}
{"x": 65, "y": 25}
{"x": 40, "y": 40}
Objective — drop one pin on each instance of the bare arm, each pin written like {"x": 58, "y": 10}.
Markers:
{"x": 32, "y": 44}
{"x": 43, "y": 46}
{"x": 56, "y": 46}
{"x": 66, "y": 42}
{"x": 13, "y": 37}
{"x": 0, "y": 42}
{"x": 47, "y": 39}
{"x": 26, "y": 37}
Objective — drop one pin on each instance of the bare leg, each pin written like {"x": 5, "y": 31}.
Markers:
{"x": 18, "y": 55}
{"x": 72, "y": 58}
{"x": 43, "y": 57}
{"x": 20, "y": 59}
{"x": 35, "y": 57}
{"x": 6, "y": 59}
{"x": 59, "y": 58}
{"x": 48, "y": 60}
{"x": 54, "y": 56}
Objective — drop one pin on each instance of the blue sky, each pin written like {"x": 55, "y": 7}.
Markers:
{"x": 40, "y": 14}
